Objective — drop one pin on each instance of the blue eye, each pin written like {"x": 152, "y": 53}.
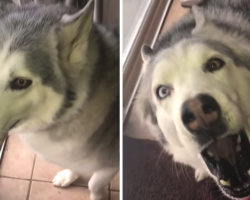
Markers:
{"x": 162, "y": 92}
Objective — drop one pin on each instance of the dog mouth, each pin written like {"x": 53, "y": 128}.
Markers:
{"x": 229, "y": 160}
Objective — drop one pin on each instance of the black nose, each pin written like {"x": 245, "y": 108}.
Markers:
{"x": 200, "y": 113}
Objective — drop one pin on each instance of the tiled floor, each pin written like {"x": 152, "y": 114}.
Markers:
{"x": 23, "y": 176}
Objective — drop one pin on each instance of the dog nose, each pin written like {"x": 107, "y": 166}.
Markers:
{"x": 200, "y": 113}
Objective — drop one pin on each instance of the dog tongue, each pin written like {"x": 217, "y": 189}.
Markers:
{"x": 248, "y": 198}
{"x": 224, "y": 148}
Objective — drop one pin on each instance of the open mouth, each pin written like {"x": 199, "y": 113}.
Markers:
{"x": 229, "y": 160}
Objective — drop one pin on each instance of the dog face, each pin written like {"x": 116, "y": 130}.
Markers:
{"x": 197, "y": 92}
{"x": 39, "y": 52}
{"x": 191, "y": 77}
{"x": 25, "y": 93}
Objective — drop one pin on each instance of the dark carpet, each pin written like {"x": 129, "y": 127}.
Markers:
{"x": 148, "y": 177}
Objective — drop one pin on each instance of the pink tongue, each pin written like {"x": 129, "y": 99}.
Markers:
{"x": 247, "y": 198}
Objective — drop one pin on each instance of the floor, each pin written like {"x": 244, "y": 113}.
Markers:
{"x": 23, "y": 176}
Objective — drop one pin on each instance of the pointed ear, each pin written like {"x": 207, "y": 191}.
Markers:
{"x": 74, "y": 33}
{"x": 200, "y": 18}
{"x": 143, "y": 105}
{"x": 146, "y": 53}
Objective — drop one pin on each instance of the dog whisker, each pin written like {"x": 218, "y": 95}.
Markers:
{"x": 185, "y": 172}
{"x": 176, "y": 171}
{"x": 159, "y": 157}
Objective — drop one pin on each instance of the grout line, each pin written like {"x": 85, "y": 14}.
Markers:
{"x": 33, "y": 168}
{"x": 109, "y": 194}
{"x": 85, "y": 186}
{"x": 43, "y": 181}
{"x": 24, "y": 179}
{"x": 32, "y": 172}
{"x": 28, "y": 193}
{"x": 114, "y": 190}
{"x": 51, "y": 183}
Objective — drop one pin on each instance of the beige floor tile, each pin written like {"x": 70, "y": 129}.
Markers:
{"x": 115, "y": 196}
{"x": 115, "y": 183}
{"x": 46, "y": 171}
{"x": 13, "y": 189}
{"x": 46, "y": 191}
{"x": 83, "y": 181}
{"x": 17, "y": 160}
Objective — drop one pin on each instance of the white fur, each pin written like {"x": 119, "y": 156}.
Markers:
{"x": 64, "y": 178}
{"x": 63, "y": 142}
{"x": 229, "y": 86}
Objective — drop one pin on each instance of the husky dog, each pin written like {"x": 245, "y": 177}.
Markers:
{"x": 59, "y": 90}
{"x": 195, "y": 93}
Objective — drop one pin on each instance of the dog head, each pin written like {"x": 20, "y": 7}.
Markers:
{"x": 197, "y": 92}
{"x": 41, "y": 50}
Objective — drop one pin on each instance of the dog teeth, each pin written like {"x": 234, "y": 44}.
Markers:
{"x": 210, "y": 153}
{"x": 238, "y": 147}
{"x": 248, "y": 172}
{"x": 224, "y": 183}
{"x": 246, "y": 185}
{"x": 237, "y": 189}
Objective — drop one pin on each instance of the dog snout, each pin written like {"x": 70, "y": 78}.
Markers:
{"x": 200, "y": 113}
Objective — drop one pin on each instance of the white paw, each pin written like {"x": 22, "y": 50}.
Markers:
{"x": 64, "y": 178}
{"x": 200, "y": 175}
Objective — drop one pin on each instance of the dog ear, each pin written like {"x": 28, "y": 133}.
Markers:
{"x": 146, "y": 53}
{"x": 144, "y": 107}
{"x": 74, "y": 34}
{"x": 200, "y": 18}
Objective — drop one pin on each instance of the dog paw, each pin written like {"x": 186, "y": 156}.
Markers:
{"x": 200, "y": 175}
{"x": 64, "y": 178}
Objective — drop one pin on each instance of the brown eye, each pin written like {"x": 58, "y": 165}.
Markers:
{"x": 20, "y": 83}
{"x": 162, "y": 92}
{"x": 214, "y": 64}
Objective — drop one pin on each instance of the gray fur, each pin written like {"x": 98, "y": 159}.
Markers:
{"x": 221, "y": 15}
{"x": 39, "y": 62}
{"x": 29, "y": 27}
{"x": 224, "y": 27}
{"x": 81, "y": 67}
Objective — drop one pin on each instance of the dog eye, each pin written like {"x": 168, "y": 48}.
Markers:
{"x": 20, "y": 83}
{"x": 162, "y": 92}
{"x": 214, "y": 64}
